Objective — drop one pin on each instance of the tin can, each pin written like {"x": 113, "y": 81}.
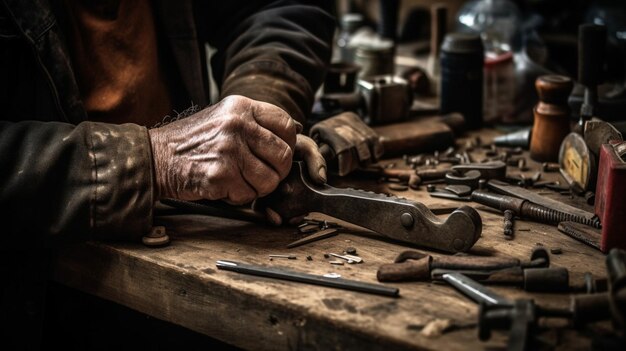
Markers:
{"x": 375, "y": 58}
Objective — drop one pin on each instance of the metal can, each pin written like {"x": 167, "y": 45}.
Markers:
{"x": 461, "y": 64}
{"x": 375, "y": 58}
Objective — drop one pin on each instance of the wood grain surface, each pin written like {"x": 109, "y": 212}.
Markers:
{"x": 179, "y": 283}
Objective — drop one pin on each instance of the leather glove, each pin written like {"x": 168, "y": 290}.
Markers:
{"x": 236, "y": 150}
{"x": 353, "y": 143}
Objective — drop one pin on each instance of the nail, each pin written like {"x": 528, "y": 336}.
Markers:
{"x": 273, "y": 217}
{"x": 322, "y": 173}
{"x": 299, "y": 127}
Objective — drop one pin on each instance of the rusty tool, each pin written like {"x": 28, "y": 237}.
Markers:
{"x": 507, "y": 189}
{"x": 554, "y": 280}
{"x": 487, "y": 170}
{"x": 583, "y": 233}
{"x": 323, "y": 234}
{"x": 400, "y": 219}
{"x": 416, "y": 266}
{"x": 528, "y": 210}
{"x": 330, "y": 281}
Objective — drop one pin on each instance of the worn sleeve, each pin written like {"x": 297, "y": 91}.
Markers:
{"x": 93, "y": 180}
{"x": 273, "y": 51}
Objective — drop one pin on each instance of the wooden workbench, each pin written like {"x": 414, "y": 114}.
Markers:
{"x": 179, "y": 283}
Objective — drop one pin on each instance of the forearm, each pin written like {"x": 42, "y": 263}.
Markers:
{"x": 278, "y": 54}
{"x": 81, "y": 182}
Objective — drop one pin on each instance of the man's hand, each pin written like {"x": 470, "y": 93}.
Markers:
{"x": 237, "y": 150}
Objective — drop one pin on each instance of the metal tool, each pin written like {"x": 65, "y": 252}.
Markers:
{"x": 519, "y": 138}
{"x": 348, "y": 258}
{"x": 552, "y": 280}
{"x": 415, "y": 266}
{"x": 393, "y": 217}
{"x": 289, "y": 257}
{"x": 488, "y": 170}
{"x": 323, "y": 234}
{"x": 591, "y": 49}
{"x": 583, "y": 233}
{"x": 284, "y": 274}
{"x": 507, "y": 189}
{"x": 475, "y": 291}
{"x": 528, "y": 210}
{"x": 577, "y": 163}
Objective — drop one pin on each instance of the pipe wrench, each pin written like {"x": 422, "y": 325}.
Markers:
{"x": 396, "y": 218}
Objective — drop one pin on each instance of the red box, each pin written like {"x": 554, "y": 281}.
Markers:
{"x": 610, "y": 204}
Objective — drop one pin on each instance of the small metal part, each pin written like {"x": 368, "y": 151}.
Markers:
{"x": 431, "y": 187}
{"x": 521, "y": 164}
{"x": 351, "y": 250}
{"x": 348, "y": 258}
{"x": 549, "y": 167}
{"x": 535, "y": 178}
{"x": 489, "y": 170}
{"x": 336, "y": 262}
{"x": 407, "y": 220}
{"x": 590, "y": 198}
{"x": 320, "y": 235}
{"x": 309, "y": 258}
{"x": 398, "y": 187}
{"x": 334, "y": 282}
{"x": 508, "y": 224}
{"x": 556, "y": 251}
{"x": 157, "y": 237}
{"x": 332, "y": 275}
{"x": 470, "y": 179}
{"x": 326, "y": 255}
{"x": 460, "y": 190}
{"x": 289, "y": 257}
{"x": 449, "y": 196}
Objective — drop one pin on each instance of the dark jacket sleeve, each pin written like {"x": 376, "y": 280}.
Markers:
{"x": 93, "y": 180}
{"x": 273, "y": 51}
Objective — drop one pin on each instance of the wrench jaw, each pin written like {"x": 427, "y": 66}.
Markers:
{"x": 396, "y": 218}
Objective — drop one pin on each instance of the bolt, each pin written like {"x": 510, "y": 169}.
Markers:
{"x": 406, "y": 219}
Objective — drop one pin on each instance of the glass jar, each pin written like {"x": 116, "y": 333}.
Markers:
{"x": 499, "y": 87}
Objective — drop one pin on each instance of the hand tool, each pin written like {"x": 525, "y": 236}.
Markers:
{"x": 496, "y": 312}
{"x": 416, "y": 266}
{"x": 323, "y": 234}
{"x": 552, "y": 280}
{"x": 547, "y": 202}
{"x": 284, "y": 274}
{"x": 583, "y": 233}
{"x": 610, "y": 204}
{"x": 289, "y": 257}
{"x": 521, "y": 317}
{"x": 399, "y": 219}
{"x": 528, "y": 210}
{"x": 551, "y": 122}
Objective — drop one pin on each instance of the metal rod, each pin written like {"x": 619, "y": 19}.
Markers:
{"x": 474, "y": 290}
{"x": 283, "y": 274}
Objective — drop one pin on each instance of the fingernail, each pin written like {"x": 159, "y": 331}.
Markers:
{"x": 322, "y": 173}
{"x": 273, "y": 217}
{"x": 299, "y": 127}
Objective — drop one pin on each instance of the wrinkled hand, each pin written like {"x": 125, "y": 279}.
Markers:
{"x": 237, "y": 150}
{"x": 353, "y": 142}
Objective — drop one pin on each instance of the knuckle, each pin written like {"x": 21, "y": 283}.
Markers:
{"x": 268, "y": 185}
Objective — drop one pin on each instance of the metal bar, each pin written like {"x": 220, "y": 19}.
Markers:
{"x": 474, "y": 290}
{"x": 283, "y": 274}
